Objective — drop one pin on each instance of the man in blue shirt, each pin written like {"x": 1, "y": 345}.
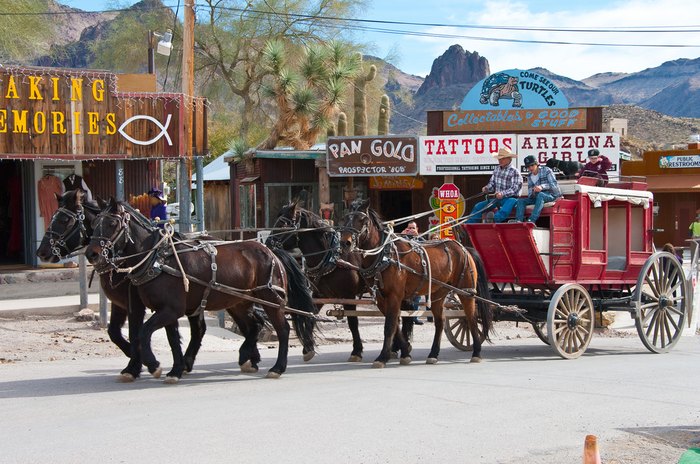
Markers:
{"x": 505, "y": 184}
{"x": 542, "y": 187}
{"x": 158, "y": 210}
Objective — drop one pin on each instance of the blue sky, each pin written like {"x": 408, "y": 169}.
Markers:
{"x": 415, "y": 55}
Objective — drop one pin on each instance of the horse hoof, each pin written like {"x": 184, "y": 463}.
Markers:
{"x": 475, "y": 359}
{"x": 273, "y": 375}
{"x": 394, "y": 355}
{"x": 355, "y": 358}
{"x": 126, "y": 378}
{"x": 378, "y": 365}
{"x": 431, "y": 361}
{"x": 405, "y": 361}
{"x": 248, "y": 368}
{"x": 171, "y": 380}
{"x": 157, "y": 373}
{"x": 309, "y": 356}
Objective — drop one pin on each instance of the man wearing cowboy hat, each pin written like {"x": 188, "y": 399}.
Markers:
{"x": 542, "y": 187}
{"x": 505, "y": 184}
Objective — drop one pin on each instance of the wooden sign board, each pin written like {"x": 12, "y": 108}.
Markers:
{"x": 371, "y": 156}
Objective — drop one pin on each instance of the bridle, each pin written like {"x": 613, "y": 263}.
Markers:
{"x": 58, "y": 241}
{"x": 357, "y": 235}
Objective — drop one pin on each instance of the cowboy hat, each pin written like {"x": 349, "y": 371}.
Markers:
{"x": 503, "y": 153}
{"x": 157, "y": 193}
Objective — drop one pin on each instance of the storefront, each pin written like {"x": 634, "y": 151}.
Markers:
{"x": 674, "y": 178}
{"x": 65, "y": 129}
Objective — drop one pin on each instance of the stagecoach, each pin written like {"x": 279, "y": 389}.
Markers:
{"x": 589, "y": 252}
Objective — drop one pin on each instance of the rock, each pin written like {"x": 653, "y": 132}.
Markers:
{"x": 455, "y": 66}
{"x": 85, "y": 315}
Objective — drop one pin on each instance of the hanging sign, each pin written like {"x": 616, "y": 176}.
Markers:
{"x": 371, "y": 156}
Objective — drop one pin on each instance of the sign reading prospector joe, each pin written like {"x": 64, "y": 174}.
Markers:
{"x": 514, "y": 88}
{"x": 371, "y": 156}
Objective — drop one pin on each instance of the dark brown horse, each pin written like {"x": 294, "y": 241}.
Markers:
{"x": 202, "y": 276}
{"x": 404, "y": 268}
{"x": 70, "y": 229}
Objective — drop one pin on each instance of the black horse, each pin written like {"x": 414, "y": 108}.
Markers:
{"x": 185, "y": 277}
{"x": 70, "y": 229}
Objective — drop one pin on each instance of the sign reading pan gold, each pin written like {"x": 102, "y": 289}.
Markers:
{"x": 371, "y": 156}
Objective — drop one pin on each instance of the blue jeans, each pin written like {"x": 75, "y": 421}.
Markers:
{"x": 540, "y": 199}
{"x": 505, "y": 206}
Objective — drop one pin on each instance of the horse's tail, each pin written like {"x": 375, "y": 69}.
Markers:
{"x": 483, "y": 290}
{"x": 299, "y": 297}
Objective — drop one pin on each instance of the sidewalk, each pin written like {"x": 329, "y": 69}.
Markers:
{"x": 67, "y": 304}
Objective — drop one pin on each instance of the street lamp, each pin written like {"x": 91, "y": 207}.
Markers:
{"x": 164, "y": 47}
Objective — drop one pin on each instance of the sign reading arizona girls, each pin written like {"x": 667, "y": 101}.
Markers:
{"x": 514, "y": 88}
{"x": 60, "y": 114}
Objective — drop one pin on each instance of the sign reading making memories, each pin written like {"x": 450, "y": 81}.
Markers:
{"x": 514, "y": 88}
{"x": 371, "y": 156}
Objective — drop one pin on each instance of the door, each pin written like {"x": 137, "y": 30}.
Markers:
{"x": 12, "y": 223}
{"x": 394, "y": 204}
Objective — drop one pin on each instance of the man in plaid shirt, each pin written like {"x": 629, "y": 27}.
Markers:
{"x": 542, "y": 187}
{"x": 505, "y": 183}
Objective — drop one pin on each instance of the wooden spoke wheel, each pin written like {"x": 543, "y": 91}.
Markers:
{"x": 570, "y": 320}
{"x": 456, "y": 328}
{"x": 540, "y": 329}
{"x": 661, "y": 302}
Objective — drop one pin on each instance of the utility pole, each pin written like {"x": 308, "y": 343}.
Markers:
{"x": 188, "y": 91}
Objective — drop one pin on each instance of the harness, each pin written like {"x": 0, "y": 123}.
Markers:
{"x": 56, "y": 240}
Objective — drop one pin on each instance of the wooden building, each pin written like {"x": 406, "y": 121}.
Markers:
{"x": 59, "y": 124}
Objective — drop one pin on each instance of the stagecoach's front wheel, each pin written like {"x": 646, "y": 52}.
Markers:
{"x": 570, "y": 321}
{"x": 660, "y": 302}
{"x": 456, "y": 328}
{"x": 540, "y": 329}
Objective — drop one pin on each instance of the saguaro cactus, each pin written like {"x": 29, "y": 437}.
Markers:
{"x": 384, "y": 116}
{"x": 360, "y": 99}
{"x": 342, "y": 125}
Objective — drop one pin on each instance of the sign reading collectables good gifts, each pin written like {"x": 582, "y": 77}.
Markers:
{"x": 371, "y": 156}
{"x": 461, "y": 154}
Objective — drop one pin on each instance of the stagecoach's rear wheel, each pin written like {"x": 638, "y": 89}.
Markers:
{"x": 457, "y": 328}
{"x": 661, "y": 302}
{"x": 570, "y": 321}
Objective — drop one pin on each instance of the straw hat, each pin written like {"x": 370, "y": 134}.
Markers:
{"x": 503, "y": 153}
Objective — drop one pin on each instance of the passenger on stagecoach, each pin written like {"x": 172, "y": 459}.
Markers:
{"x": 505, "y": 184}
{"x": 158, "y": 210}
{"x": 542, "y": 187}
{"x": 597, "y": 166}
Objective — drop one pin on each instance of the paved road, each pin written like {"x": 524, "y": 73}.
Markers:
{"x": 521, "y": 405}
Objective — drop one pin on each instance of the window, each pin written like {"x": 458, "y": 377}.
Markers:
{"x": 246, "y": 205}
{"x": 278, "y": 195}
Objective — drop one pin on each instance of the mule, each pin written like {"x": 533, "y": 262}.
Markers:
{"x": 185, "y": 277}
{"x": 403, "y": 268}
{"x": 70, "y": 230}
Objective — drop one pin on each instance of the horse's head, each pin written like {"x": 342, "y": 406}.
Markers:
{"x": 110, "y": 232}
{"x": 357, "y": 226}
{"x": 68, "y": 230}
{"x": 288, "y": 218}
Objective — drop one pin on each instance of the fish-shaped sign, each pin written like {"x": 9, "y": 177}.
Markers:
{"x": 163, "y": 130}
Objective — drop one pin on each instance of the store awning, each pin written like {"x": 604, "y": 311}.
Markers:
{"x": 674, "y": 183}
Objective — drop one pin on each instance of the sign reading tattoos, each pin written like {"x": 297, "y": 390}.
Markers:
{"x": 461, "y": 154}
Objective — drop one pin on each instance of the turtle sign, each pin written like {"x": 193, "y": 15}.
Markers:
{"x": 514, "y": 88}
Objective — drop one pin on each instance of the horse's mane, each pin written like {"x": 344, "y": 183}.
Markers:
{"x": 71, "y": 198}
{"x": 313, "y": 220}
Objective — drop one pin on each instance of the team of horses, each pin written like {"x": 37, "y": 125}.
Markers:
{"x": 142, "y": 265}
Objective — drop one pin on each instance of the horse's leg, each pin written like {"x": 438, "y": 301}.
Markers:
{"x": 248, "y": 354}
{"x": 353, "y": 324}
{"x": 198, "y": 327}
{"x": 117, "y": 318}
{"x": 391, "y": 307}
{"x": 279, "y": 322}
{"x": 439, "y": 321}
{"x": 136, "y": 311}
{"x": 158, "y": 320}
{"x": 469, "y": 305}
{"x": 173, "y": 333}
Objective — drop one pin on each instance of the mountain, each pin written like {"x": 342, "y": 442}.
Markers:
{"x": 597, "y": 80}
{"x": 577, "y": 92}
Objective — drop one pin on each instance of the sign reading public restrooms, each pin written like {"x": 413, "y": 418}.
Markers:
{"x": 62, "y": 114}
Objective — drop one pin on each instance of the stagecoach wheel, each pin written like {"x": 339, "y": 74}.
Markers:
{"x": 456, "y": 328}
{"x": 540, "y": 329}
{"x": 570, "y": 320}
{"x": 660, "y": 302}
